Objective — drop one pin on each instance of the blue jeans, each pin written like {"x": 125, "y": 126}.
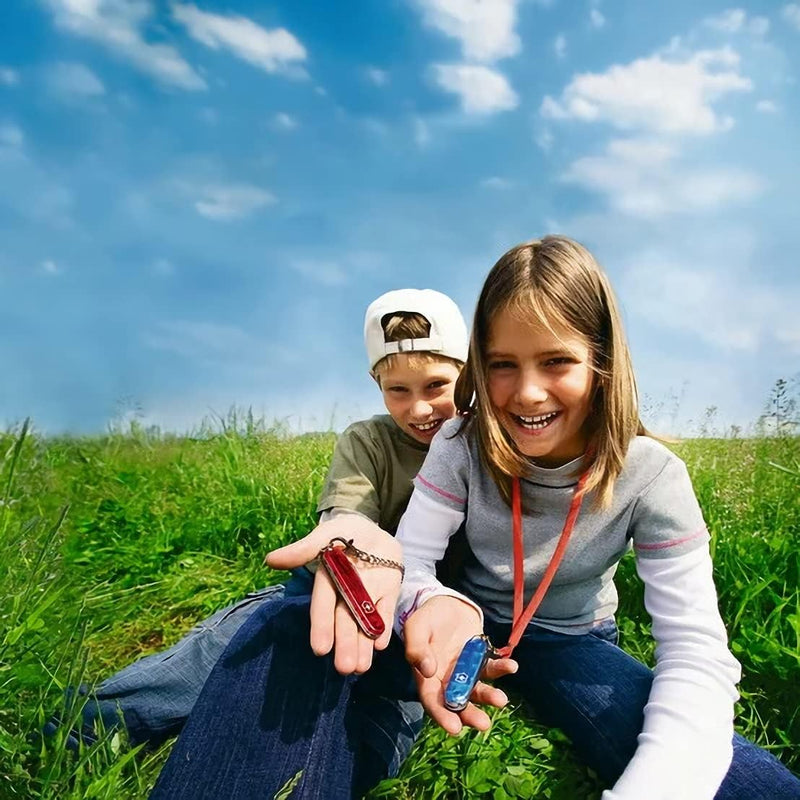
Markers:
{"x": 154, "y": 696}
{"x": 271, "y": 711}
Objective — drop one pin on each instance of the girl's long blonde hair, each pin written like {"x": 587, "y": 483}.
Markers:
{"x": 557, "y": 282}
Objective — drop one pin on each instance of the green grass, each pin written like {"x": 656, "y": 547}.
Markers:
{"x": 114, "y": 546}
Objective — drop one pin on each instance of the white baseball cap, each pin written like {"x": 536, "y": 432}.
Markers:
{"x": 448, "y": 334}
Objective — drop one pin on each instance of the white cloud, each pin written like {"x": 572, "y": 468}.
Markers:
{"x": 482, "y": 90}
{"x": 117, "y": 24}
{"x": 560, "y": 46}
{"x": 327, "y": 273}
{"x": 71, "y": 80}
{"x": 766, "y": 107}
{"x": 284, "y": 121}
{"x": 596, "y": 18}
{"x": 485, "y": 30}
{"x": 645, "y": 178}
{"x": 8, "y": 76}
{"x": 731, "y": 311}
{"x": 378, "y": 77}
{"x": 736, "y": 20}
{"x": 233, "y": 201}
{"x": 791, "y": 13}
{"x": 50, "y": 267}
{"x": 11, "y": 135}
{"x": 275, "y": 50}
{"x": 654, "y": 94}
{"x": 496, "y": 182}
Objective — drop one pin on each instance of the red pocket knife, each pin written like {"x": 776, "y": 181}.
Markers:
{"x": 351, "y": 590}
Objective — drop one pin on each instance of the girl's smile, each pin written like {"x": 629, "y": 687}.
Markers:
{"x": 540, "y": 384}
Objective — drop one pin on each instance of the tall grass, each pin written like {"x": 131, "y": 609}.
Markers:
{"x": 115, "y": 545}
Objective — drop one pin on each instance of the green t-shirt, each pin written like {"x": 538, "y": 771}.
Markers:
{"x": 372, "y": 471}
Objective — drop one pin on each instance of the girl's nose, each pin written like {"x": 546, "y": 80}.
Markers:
{"x": 531, "y": 389}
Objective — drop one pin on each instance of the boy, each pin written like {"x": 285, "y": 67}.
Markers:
{"x": 416, "y": 343}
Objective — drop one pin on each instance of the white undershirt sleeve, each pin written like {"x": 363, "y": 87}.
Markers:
{"x": 685, "y": 747}
{"x": 424, "y": 532}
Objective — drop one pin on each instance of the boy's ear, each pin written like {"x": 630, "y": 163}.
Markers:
{"x": 375, "y": 377}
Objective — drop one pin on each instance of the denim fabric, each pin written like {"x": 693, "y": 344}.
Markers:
{"x": 596, "y": 694}
{"x": 156, "y": 694}
{"x": 272, "y": 710}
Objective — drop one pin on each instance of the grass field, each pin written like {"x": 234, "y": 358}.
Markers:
{"x": 114, "y": 546}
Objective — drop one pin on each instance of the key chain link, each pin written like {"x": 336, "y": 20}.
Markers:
{"x": 368, "y": 558}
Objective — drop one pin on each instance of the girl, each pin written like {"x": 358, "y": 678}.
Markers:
{"x": 550, "y": 445}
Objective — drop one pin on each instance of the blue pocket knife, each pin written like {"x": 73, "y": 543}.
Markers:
{"x": 469, "y": 665}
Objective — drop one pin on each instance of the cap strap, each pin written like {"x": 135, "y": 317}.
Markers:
{"x": 413, "y": 345}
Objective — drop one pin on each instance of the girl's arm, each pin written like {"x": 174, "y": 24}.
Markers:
{"x": 685, "y": 747}
{"x": 436, "y": 621}
{"x": 424, "y": 532}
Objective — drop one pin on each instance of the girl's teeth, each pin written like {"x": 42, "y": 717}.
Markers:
{"x": 537, "y": 422}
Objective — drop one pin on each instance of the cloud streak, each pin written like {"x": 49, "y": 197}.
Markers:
{"x": 656, "y": 94}
{"x": 117, "y": 26}
{"x": 646, "y": 179}
{"x": 485, "y": 31}
{"x": 481, "y": 90}
{"x": 274, "y": 51}
{"x": 74, "y": 80}
{"x": 223, "y": 203}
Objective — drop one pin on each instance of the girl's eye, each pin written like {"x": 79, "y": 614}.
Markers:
{"x": 501, "y": 365}
{"x": 559, "y": 361}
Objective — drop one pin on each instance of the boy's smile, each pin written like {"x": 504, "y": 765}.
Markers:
{"x": 419, "y": 394}
{"x": 540, "y": 384}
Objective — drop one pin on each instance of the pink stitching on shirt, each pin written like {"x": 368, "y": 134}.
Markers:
{"x": 442, "y": 492}
{"x": 673, "y": 543}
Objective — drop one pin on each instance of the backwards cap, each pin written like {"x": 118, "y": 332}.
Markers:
{"x": 448, "y": 335}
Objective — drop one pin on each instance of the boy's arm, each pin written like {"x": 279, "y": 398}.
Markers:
{"x": 349, "y": 506}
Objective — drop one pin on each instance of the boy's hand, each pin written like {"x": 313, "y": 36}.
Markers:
{"x": 332, "y": 625}
{"x": 435, "y": 635}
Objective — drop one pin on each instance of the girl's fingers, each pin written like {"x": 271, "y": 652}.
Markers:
{"x": 323, "y": 605}
{"x": 431, "y": 697}
{"x": 475, "y": 718}
{"x": 489, "y": 695}
{"x": 497, "y": 667}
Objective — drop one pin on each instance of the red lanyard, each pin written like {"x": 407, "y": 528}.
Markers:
{"x": 522, "y": 618}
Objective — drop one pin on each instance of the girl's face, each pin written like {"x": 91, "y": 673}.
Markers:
{"x": 540, "y": 384}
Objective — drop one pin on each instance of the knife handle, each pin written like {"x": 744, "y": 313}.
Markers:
{"x": 351, "y": 590}
{"x": 469, "y": 665}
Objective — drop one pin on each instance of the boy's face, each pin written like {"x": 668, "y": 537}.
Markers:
{"x": 418, "y": 394}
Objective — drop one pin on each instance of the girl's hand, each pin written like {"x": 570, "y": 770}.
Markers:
{"x": 435, "y": 635}
{"x": 332, "y": 625}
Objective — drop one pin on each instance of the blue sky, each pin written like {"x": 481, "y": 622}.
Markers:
{"x": 198, "y": 201}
